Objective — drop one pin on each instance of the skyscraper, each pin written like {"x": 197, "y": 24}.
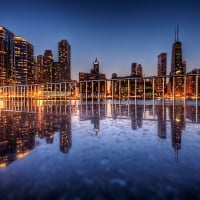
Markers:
{"x": 176, "y": 62}
{"x": 48, "y": 66}
{"x": 177, "y": 68}
{"x": 40, "y": 68}
{"x": 133, "y": 69}
{"x": 96, "y": 66}
{"x": 24, "y": 61}
{"x": 6, "y": 56}
{"x": 162, "y": 64}
{"x": 64, "y": 54}
{"x": 162, "y": 72}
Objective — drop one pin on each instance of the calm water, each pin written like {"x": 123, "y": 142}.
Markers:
{"x": 59, "y": 150}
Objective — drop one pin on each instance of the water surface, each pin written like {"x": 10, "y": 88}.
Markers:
{"x": 73, "y": 150}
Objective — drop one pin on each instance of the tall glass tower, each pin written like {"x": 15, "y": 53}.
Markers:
{"x": 6, "y": 56}
{"x": 176, "y": 62}
{"x": 177, "y": 68}
{"x": 48, "y": 63}
{"x": 161, "y": 73}
{"x": 24, "y": 61}
{"x": 64, "y": 58}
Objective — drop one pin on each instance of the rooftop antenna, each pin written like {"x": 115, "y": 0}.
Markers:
{"x": 177, "y": 32}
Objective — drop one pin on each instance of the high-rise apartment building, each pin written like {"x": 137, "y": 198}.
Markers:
{"x": 40, "y": 68}
{"x": 57, "y": 75}
{"x": 24, "y": 61}
{"x": 162, "y": 64}
{"x": 48, "y": 64}
{"x": 161, "y": 73}
{"x": 6, "y": 56}
{"x": 64, "y": 58}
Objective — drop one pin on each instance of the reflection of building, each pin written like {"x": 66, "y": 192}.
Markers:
{"x": 161, "y": 113}
{"x": 17, "y": 136}
{"x": 176, "y": 113}
{"x": 19, "y": 130}
{"x": 94, "y": 112}
{"x": 193, "y": 113}
{"x": 65, "y": 134}
{"x": 136, "y": 114}
{"x": 134, "y": 111}
{"x": 6, "y": 56}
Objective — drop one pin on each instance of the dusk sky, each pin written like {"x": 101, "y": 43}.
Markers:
{"x": 117, "y": 32}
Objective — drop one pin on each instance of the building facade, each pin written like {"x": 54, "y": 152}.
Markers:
{"x": 134, "y": 69}
{"x": 24, "y": 69}
{"x": 177, "y": 68}
{"x": 161, "y": 73}
{"x": 6, "y": 56}
{"x": 48, "y": 64}
{"x": 64, "y": 58}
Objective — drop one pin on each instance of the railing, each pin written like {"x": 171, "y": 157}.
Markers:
{"x": 48, "y": 91}
{"x": 183, "y": 86}
{"x": 152, "y": 87}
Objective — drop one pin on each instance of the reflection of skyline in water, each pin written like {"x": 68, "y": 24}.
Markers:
{"x": 20, "y": 129}
{"x": 158, "y": 113}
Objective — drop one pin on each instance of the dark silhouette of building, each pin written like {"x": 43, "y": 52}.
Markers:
{"x": 134, "y": 69}
{"x": 162, "y": 127}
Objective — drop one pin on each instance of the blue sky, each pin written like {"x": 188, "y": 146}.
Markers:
{"x": 117, "y": 32}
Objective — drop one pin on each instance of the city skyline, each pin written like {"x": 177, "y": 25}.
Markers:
{"x": 118, "y": 33}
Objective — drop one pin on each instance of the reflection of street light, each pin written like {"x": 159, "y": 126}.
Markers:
{"x": 1, "y": 104}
